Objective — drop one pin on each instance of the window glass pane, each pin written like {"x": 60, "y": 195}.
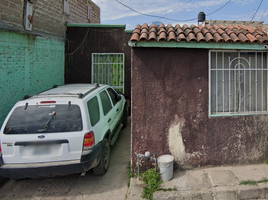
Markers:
{"x": 106, "y": 103}
{"x": 44, "y": 119}
{"x": 113, "y": 95}
{"x": 93, "y": 109}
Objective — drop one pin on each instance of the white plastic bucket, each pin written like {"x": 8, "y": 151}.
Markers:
{"x": 165, "y": 167}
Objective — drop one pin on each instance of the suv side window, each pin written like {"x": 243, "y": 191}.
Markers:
{"x": 94, "y": 111}
{"x": 113, "y": 95}
{"x": 105, "y": 101}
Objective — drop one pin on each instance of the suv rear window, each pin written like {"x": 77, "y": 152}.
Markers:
{"x": 44, "y": 119}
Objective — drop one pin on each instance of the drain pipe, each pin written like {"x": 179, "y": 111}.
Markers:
{"x": 146, "y": 157}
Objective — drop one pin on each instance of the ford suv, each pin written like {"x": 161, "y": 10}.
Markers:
{"x": 67, "y": 129}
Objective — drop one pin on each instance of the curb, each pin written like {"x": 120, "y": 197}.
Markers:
{"x": 216, "y": 193}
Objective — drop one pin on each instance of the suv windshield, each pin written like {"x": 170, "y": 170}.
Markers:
{"x": 44, "y": 119}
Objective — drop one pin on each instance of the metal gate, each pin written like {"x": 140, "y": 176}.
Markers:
{"x": 108, "y": 68}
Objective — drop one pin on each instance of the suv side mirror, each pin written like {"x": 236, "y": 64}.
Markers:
{"x": 118, "y": 97}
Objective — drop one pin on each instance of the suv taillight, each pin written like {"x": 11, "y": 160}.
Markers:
{"x": 89, "y": 141}
{"x": 0, "y": 149}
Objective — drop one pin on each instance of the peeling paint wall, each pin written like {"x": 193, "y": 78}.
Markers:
{"x": 170, "y": 98}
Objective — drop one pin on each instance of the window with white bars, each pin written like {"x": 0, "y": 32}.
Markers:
{"x": 238, "y": 83}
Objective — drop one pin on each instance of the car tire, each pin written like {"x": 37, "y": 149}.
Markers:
{"x": 104, "y": 162}
{"x": 125, "y": 115}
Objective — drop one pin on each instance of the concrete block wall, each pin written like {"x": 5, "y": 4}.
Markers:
{"x": 79, "y": 12}
{"x": 49, "y": 16}
{"x": 28, "y": 65}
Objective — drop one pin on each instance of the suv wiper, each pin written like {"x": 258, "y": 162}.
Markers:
{"x": 53, "y": 114}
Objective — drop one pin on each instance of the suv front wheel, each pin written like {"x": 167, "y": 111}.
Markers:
{"x": 103, "y": 165}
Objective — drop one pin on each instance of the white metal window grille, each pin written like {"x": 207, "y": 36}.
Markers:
{"x": 238, "y": 83}
{"x": 108, "y": 68}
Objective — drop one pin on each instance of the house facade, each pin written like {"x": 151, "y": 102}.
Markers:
{"x": 200, "y": 94}
{"x": 32, "y": 45}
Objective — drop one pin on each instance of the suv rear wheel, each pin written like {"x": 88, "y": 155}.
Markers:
{"x": 103, "y": 165}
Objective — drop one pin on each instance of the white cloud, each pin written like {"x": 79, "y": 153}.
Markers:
{"x": 111, "y": 10}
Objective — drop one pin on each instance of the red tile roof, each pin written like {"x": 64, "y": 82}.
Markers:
{"x": 207, "y": 33}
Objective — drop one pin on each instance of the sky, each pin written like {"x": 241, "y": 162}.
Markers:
{"x": 180, "y": 11}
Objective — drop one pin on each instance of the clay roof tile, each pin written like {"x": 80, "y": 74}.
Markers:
{"x": 190, "y": 37}
{"x": 170, "y": 29}
{"x": 188, "y": 31}
{"x": 168, "y": 26}
{"x": 192, "y": 26}
{"x": 212, "y": 31}
{"x": 144, "y": 30}
{"x": 179, "y": 31}
{"x": 184, "y": 27}
{"x": 161, "y": 25}
{"x": 215, "y": 33}
{"x": 234, "y": 37}
{"x": 226, "y": 37}
{"x": 237, "y": 27}
{"x": 144, "y": 36}
{"x": 162, "y": 36}
{"x": 218, "y": 38}
{"x": 261, "y": 39}
{"x": 161, "y": 30}
{"x": 152, "y": 36}
{"x": 243, "y": 38}
{"x": 209, "y": 37}
{"x": 216, "y": 27}
{"x": 177, "y": 26}
{"x": 138, "y": 26}
{"x": 181, "y": 37}
{"x": 200, "y": 26}
{"x": 208, "y": 27}
{"x": 136, "y": 30}
{"x": 251, "y": 38}
{"x": 196, "y": 30}
{"x": 153, "y": 26}
{"x": 229, "y": 26}
{"x": 135, "y": 37}
{"x": 145, "y": 25}
{"x": 152, "y": 29}
{"x": 204, "y": 31}
{"x": 171, "y": 36}
{"x": 200, "y": 37}
{"x": 220, "y": 31}
{"x": 222, "y": 27}
{"x": 228, "y": 31}
{"x": 250, "y": 29}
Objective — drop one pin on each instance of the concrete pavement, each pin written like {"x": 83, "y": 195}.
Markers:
{"x": 217, "y": 183}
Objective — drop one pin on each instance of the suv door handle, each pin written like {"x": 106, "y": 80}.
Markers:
{"x": 117, "y": 109}
{"x": 109, "y": 120}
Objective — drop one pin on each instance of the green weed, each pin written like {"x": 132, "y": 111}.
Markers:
{"x": 250, "y": 182}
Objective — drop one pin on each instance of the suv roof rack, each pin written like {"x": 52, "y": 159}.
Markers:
{"x": 81, "y": 96}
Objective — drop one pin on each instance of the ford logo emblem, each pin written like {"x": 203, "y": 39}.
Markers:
{"x": 41, "y": 136}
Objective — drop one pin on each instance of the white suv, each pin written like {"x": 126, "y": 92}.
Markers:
{"x": 64, "y": 130}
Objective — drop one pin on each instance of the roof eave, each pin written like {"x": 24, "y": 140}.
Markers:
{"x": 200, "y": 45}
{"x": 96, "y": 25}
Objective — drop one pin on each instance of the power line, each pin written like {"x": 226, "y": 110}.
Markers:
{"x": 219, "y": 8}
{"x": 256, "y": 10}
{"x": 177, "y": 8}
{"x": 170, "y": 18}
